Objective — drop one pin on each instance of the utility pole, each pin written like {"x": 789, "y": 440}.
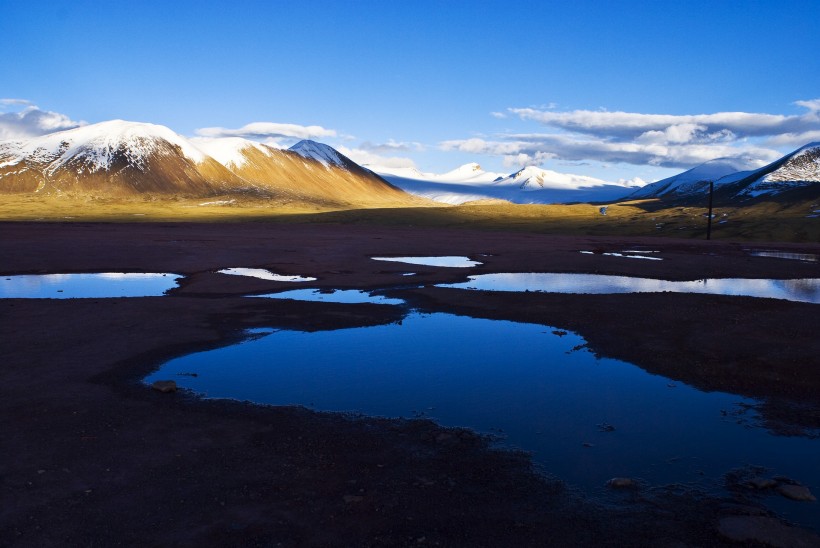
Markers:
{"x": 709, "y": 216}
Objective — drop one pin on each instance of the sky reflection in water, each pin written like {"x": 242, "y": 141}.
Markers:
{"x": 803, "y": 290}
{"x": 537, "y": 387}
{"x": 72, "y": 286}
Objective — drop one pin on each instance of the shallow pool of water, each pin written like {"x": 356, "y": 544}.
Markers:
{"x": 350, "y": 296}
{"x": 263, "y": 274}
{"x": 72, "y": 286}
{"x": 802, "y": 290}
{"x": 585, "y": 419}
{"x": 444, "y": 261}
{"x": 805, "y": 257}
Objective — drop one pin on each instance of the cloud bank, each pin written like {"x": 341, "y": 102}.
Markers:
{"x": 665, "y": 140}
{"x": 31, "y": 121}
{"x": 269, "y": 132}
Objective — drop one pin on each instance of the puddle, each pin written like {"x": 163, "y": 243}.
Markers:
{"x": 263, "y": 274}
{"x": 75, "y": 286}
{"x": 626, "y": 254}
{"x": 349, "y": 296}
{"x": 802, "y": 290}
{"x": 806, "y": 257}
{"x": 585, "y": 419}
{"x": 446, "y": 261}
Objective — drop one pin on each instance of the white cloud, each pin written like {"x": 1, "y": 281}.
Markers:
{"x": 534, "y": 149}
{"x": 631, "y": 125}
{"x": 663, "y": 140}
{"x": 499, "y": 115}
{"x": 392, "y": 146}
{"x": 368, "y": 158}
{"x": 5, "y": 102}
{"x": 813, "y": 105}
{"x": 272, "y": 133}
{"x": 31, "y": 121}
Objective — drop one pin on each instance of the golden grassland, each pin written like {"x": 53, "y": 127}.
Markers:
{"x": 765, "y": 221}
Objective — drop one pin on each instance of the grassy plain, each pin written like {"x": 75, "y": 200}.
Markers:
{"x": 766, "y": 221}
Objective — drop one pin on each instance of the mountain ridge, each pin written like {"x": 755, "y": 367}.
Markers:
{"x": 119, "y": 158}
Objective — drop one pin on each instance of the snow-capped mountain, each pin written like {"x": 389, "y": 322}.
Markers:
{"x": 799, "y": 169}
{"x": 319, "y": 152}
{"x": 698, "y": 178}
{"x": 738, "y": 179}
{"x": 466, "y": 174}
{"x": 530, "y": 185}
{"x": 118, "y": 158}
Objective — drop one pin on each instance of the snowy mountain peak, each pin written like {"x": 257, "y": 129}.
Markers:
{"x": 799, "y": 169}
{"x": 322, "y": 153}
{"x": 97, "y": 146}
{"x": 698, "y": 177}
{"x": 534, "y": 178}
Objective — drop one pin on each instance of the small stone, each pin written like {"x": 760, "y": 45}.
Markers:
{"x": 353, "y": 498}
{"x": 165, "y": 386}
{"x": 765, "y": 530}
{"x": 796, "y": 492}
{"x": 762, "y": 483}
{"x": 621, "y": 483}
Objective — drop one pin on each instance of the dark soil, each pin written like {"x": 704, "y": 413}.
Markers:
{"x": 90, "y": 456}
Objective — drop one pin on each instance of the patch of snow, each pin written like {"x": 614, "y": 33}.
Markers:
{"x": 228, "y": 151}
{"x": 218, "y": 202}
{"x": 322, "y": 153}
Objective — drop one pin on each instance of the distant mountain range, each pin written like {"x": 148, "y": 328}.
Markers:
{"x": 737, "y": 180}
{"x": 121, "y": 159}
{"x": 530, "y": 185}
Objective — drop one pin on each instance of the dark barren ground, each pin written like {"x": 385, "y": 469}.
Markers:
{"x": 90, "y": 457}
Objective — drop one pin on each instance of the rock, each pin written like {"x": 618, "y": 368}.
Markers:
{"x": 765, "y": 530}
{"x": 621, "y": 483}
{"x": 165, "y": 387}
{"x": 762, "y": 483}
{"x": 795, "y": 492}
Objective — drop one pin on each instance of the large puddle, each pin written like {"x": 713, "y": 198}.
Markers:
{"x": 264, "y": 274}
{"x": 585, "y": 419}
{"x": 73, "y": 286}
{"x": 349, "y": 296}
{"x": 444, "y": 261}
{"x": 802, "y": 290}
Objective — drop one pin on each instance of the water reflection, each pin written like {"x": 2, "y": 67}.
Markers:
{"x": 72, "y": 286}
{"x": 802, "y": 290}
{"x": 805, "y": 257}
{"x": 445, "y": 261}
{"x": 349, "y": 296}
{"x": 585, "y": 419}
{"x": 263, "y": 274}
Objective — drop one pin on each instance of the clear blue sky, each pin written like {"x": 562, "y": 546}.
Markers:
{"x": 419, "y": 74}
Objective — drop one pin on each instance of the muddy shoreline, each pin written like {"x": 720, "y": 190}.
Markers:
{"x": 90, "y": 456}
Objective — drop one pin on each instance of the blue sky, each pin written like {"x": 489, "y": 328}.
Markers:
{"x": 437, "y": 84}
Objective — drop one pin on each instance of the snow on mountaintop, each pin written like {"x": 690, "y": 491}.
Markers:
{"x": 535, "y": 178}
{"x": 804, "y": 165}
{"x": 97, "y": 145}
{"x": 719, "y": 171}
{"x": 467, "y": 174}
{"x": 317, "y": 151}
{"x": 228, "y": 151}
{"x": 800, "y": 168}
